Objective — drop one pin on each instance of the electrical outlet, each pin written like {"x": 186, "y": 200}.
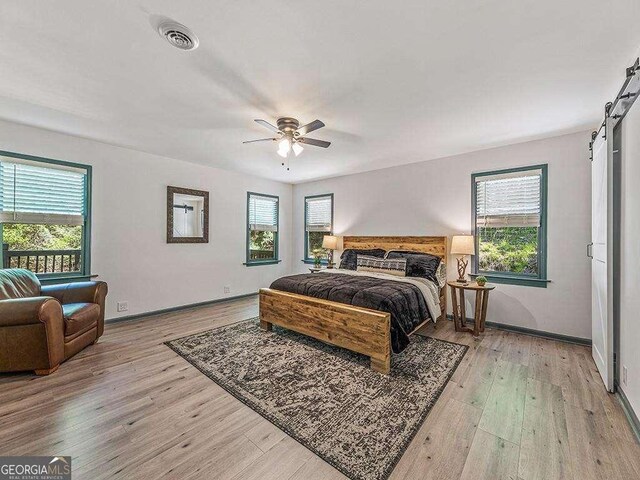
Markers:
{"x": 123, "y": 306}
{"x": 624, "y": 375}
{"x": 227, "y": 289}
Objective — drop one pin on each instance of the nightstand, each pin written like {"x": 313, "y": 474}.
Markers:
{"x": 457, "y": 302}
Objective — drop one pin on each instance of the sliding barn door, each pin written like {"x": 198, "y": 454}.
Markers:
{"x": 601, "y": 254}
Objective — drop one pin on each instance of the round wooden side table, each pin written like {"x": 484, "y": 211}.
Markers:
{"x": 457, "y": 302}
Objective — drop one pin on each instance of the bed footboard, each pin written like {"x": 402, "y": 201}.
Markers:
{"x": 358, "y": 329}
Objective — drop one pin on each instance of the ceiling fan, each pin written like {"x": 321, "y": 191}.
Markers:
{"x": 290, "y": 135}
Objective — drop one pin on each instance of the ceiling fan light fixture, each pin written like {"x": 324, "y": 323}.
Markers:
{"x": 297, "y": 148}
{"x": 291, "y": 136}
{"x": 285, "y": 144}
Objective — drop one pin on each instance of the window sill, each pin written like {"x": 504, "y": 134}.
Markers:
{"x": 73, "y": 278}
{"x": 311, "y": 262}
{"x": 264, "y": 262}
{"x": 513, "y": 280}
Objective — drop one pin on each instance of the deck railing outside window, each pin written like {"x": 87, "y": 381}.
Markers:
{"x": 42, "y": 261}
{"x": 261, "y": 254}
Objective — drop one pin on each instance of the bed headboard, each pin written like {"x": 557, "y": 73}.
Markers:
{"x": 433, "y": 245}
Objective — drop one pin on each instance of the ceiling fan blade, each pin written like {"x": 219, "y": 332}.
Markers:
{"x": 314, "y": 142}
{"x": 310, "y": 127}
{"x": 261, "y": 140}
{"x": 266, "y": 124}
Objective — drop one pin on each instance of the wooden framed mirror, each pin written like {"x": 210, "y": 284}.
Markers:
{"x": 187, "y": 215}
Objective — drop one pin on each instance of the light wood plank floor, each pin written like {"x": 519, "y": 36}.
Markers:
{"x": 518, "y": 407}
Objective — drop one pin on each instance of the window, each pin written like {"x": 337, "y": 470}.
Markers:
{"x": 510, "y": 225}
{"x": 318, "y": 222}
{"x": 262, "y": 229}
{"x": 45, "y": 215}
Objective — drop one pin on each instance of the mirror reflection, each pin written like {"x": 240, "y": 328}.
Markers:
{"x": 187, "y": 215}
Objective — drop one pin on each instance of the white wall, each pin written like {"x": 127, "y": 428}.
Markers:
{"x": 434, "y": 198}
{"x": 630, "y": 256}
{"x": 429, "y": 198}
{"x": 129, "y": 249}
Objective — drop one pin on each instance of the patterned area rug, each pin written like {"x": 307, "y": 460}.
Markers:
{"x": 327, "y": 398}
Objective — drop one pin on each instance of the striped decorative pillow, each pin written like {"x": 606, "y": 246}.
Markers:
{"x": 395, "y": 266}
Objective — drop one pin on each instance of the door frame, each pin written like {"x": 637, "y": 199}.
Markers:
{"x": 617, "y": 238}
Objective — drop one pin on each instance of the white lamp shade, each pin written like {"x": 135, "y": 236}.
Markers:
{"x": 463, "y": 245}
{"x": 330, "y": 242}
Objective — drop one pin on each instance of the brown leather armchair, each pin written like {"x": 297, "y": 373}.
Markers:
{"x": 42, "y": 326}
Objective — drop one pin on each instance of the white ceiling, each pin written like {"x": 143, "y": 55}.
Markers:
{"x": 395, "y": 82}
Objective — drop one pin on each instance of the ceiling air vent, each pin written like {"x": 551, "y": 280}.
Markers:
{"x": 178, "y": 35}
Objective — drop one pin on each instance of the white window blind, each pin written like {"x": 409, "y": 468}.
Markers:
{"x": 263, "y": 213}
{"x": 41, "y": 194}
{"x": 509, "y": 200}
{"x": 318, "y": 214}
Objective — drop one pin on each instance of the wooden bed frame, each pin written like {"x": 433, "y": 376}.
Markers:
{"x": 358, "y": 329}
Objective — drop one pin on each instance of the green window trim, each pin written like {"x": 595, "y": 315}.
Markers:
{"x": 86, "y": 231}
{"x": 307, "y": 258}
{"x": 510, "y": 278}
{"x": 73, "y": 278}
{"x": 256, "y": 263}
{"x": 271, "y": 261}
{"x": 513, "y": 279}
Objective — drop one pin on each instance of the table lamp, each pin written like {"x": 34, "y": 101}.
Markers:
{"x": 462, "y": 245}
{"x": 330, "y": 243}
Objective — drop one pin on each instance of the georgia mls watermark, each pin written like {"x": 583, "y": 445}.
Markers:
{"x": 35, "y": 468}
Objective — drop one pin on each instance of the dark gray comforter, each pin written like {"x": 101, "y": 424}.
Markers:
{"x": 403, "y": 301}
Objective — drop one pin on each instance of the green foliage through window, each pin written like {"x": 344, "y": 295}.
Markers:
{"x": 43, "y": 248}
{"x": 262, "y": 245}
{"x": 315, "y": 241}
{"x": 509, "y": 249}
{"x": 21, "y": 236}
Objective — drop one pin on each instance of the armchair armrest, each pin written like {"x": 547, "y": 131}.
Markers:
{"x": 79, "y": 292}
{"x": 29, "y": 311}
{"x": 25, "y": 319}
